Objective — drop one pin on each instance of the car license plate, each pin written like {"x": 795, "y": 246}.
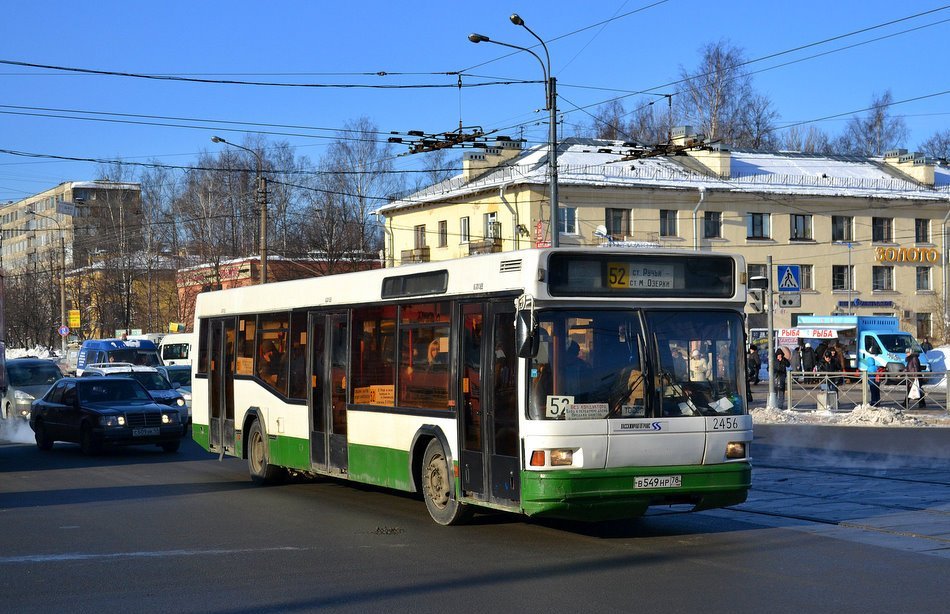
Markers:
{"x": 658, "y": 481}
{"x": 146, "y": 432}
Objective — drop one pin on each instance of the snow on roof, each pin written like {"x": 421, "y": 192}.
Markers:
{"x": 598, "y": 163}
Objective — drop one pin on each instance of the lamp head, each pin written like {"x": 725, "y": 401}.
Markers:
{"x": 516, "y": 19}
{"x": 217, "y": 139}
{"x": 478, "y": 38}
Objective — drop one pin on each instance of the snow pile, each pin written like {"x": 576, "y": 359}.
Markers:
{"x": 862, "y": 415}
{"x": 37, "y": 352}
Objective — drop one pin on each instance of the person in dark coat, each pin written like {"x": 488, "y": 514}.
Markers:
{"x": 830, "y": 363}
{"x": 913, "y": 370}
{"x": 780, "y": 371}
{"x": 753, "y": 364}
{"x": 926, "y": 346}
{"x": 807, "y": 357}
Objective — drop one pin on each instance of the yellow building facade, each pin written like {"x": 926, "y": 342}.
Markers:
{"x": 869, "y": 234}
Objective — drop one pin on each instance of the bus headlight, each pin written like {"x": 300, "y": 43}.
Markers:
{"x": 735, "y": 449}
{"x": 561, "y": 457}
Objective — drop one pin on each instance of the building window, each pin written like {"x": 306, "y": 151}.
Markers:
{"x": 842, "y": 277}
{"x": 882, "y": 229}
{"x": 923, "y": 278}
{"x": 668, "y": 222}
{"x": 800, "y": 227}
{"x": 922, "y": 231}
{"x": 617, "y": 222}
{"x": 842, "y": 228}
{"x": 492, "y": 229}
{"x": 443, "y": 233}
{"x": 758, "y": 226}
{"x": 463, "y": 230}
{"x": 712, "y": 225}
{"x": 419, "y": 234}
{"x": 567, "y": 220}
{"x": 808, "y": 273}
{"x": 924, "y": 328}
{"x": 882, "y": 278}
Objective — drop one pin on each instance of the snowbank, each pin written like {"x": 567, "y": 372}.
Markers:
{"x": 862, "y": 415}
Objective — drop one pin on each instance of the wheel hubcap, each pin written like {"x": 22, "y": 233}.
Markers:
{"x": 438, "y": 482}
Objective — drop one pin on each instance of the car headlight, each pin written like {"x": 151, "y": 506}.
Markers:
{"x": 180, "y": 402}
{"x": 170, "y": 418}
{"x": 112, "y": 420}
{"x": 23, "y": 397}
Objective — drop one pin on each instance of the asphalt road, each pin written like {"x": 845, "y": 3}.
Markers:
{"x": 139, "y": 530}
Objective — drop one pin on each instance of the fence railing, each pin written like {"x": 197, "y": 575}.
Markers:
{"x": 843, "y": 391}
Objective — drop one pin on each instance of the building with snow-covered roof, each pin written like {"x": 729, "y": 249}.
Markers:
{"x": 868, "y": 233}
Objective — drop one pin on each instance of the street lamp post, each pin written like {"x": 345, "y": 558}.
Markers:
{"x": 261, "y": 198}
{"x": 550, "y": 99}
{"x": 62, "y": 276}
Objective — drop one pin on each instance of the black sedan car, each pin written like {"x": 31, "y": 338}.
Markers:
{"x": 103, "y": 411}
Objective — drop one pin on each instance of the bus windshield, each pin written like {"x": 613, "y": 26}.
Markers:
{"x": 595, "y": 364}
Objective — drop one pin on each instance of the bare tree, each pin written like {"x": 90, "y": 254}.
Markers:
{"x": 719, "y": 100}
{"x": 938, "y": 145}
{"x": 362, "y": 167}
{"x": 812, "y": 140}
{"x": 608, "y": 122}
{"x": 875, "y": 132}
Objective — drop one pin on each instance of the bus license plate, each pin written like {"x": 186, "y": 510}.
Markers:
{"x": 146, "y": 432}
{"x": 658, "y": 481}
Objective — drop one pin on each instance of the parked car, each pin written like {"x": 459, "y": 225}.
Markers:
{"x": 180, "y": 378}
{"x": 151, "y": 378}
{"x": 134, "y": 351}
{"x": 103, "y": 411}
{"x": 27, "y": 380}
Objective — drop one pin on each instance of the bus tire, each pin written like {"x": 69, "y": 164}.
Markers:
{"x": 262, "y": 472}
{"x": 436, "y": 480}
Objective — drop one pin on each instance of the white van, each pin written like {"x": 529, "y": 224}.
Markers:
{"x": 175, "y": 348}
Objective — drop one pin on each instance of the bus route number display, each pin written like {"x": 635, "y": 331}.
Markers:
{"x": 640, "y": 275}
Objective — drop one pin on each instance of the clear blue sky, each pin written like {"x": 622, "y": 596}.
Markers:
{"x": 305, "y": 41}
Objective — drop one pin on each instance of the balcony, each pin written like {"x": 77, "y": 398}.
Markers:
{"x": 419, "y": 254}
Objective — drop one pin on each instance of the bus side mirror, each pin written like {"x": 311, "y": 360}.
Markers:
{"x": 526, "y": 335}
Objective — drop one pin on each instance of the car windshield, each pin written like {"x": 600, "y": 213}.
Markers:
{"x": 152, "y": 380}
{"x": 106, "y": 390}
{"x": 899, "y": 343}
{"x": 180, "y": 377}
{"x": 20, "y": 375}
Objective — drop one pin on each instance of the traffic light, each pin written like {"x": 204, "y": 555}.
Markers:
{"x": 757, "y": 300}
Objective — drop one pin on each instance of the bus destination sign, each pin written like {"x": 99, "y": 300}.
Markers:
{"x": 652, "y": 276}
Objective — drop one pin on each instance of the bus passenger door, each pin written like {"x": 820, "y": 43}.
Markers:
{"x": 489, "y": 456}
{"x": 221, "y": 380}
{"x": 336, "y": 359}
{"x": 319, "y": 395}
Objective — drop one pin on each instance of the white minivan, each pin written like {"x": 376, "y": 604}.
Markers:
{"x": 175, "y": 349}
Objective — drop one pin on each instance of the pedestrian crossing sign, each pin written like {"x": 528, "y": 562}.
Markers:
{"x": 789, "y": 278}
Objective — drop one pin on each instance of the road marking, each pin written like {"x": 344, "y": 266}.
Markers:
{"x": 79, "y": 556}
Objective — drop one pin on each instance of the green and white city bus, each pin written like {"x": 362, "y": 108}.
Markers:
{"x": 573, "y": 383}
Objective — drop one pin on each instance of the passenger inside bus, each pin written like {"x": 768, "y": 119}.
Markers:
{"x": 269, "y": 367}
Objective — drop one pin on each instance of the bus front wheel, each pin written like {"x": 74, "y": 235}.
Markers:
{"x": 262, "y": 472}
{"x": 436, "y": 481}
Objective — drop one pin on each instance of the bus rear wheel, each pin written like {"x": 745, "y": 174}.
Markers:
{"x": 436, "y": 480}
{"x": 262, "y": 472}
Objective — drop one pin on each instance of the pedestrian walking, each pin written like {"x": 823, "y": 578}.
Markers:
{"x": 871, "y": 366}
{"x": 915, "y": 392}
{"x": 830, "y": 365}
{"x": 753, "y": 364}
{"x": 780, "y": 372}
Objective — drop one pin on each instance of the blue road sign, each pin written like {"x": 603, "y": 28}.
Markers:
{"x": 789, "y": 278}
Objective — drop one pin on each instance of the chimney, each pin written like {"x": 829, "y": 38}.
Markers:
{"x": 479, "y": 161}
{"x": 685, "y": 136}
{"x": 916, "y": 166}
